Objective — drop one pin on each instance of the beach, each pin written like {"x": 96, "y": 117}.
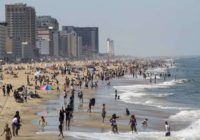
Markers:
{"x": 150, "y": 104}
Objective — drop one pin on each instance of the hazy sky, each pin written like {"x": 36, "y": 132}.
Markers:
{"x": 138, "y": 27}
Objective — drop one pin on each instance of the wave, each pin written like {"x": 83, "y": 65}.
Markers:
{"x": 111, "y": 136}
{"x": 186, "y": 115}
{"x": 142, "y": 94}
{"x": 189, "y": 133}
{"x": 150, "y": 86}
{"x": 136, "y": 94}
{"x": 153, "y": 103}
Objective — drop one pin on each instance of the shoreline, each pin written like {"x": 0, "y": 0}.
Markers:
{"x": 91, "y": 121}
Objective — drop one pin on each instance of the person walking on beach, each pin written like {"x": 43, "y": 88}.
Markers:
{"x": 115, "y": 95}
{"x": 80, "y": 96}
{"x": 167, "y": 129}
{"x": 42, "y": 123}
{"x": 113, "y": 121}
{"x": 28, "y": 80}
{"x": 68, "y": 116}
{"x": 103, "y": 112}
{"x": 16, "y": 124}
{"x": 8, "y": 134}
{"x": 65, "y": 98}
{"x": 8, "y": 89}
{"x": 133, "y": 123}
{"x": 4, "y": 90}
{"x": 90, "y": 106}
{"x": 61, "y": 116}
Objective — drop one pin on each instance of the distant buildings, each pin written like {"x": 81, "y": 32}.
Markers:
{"x": 47, "y": 29}
{"x": 110, "y": 47}
{"x": 28, "y": 36}
{"x": 90, "y": 38}
{"x": 70, "y": 44}
{"x": 21, "y": 28}
{"x": 46, "y": 22}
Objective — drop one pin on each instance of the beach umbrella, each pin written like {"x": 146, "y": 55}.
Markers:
{"x": 47, "y": 87}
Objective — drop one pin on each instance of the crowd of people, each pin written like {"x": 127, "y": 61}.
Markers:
{"x": 76, "y": 84}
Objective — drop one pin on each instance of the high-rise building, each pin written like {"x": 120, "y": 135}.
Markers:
{"x": 50, "y": 25}
{"x": 44, "y": 41}
{"x": 90, "y": 38}
{"x": 56, "y": 36}
{"x": 79, "y": 47}
{"x": 63, "y": 44}
{"x": 46, "y": 22}
{"x": 70, "y": 44}
{"x": 3, "y": 30}
{"x": 110, "y": 47}
{"x": 21, "y": 26}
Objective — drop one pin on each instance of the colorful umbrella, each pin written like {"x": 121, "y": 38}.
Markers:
{"x": 47, "y": 87}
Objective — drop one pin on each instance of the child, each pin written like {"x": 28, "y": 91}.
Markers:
{"x": 144, "y": 123}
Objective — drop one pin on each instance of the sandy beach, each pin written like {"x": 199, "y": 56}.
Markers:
{"x": 8, "y": 105}
{"x": 31, "y": 111}
{"x": 27, "y": 110}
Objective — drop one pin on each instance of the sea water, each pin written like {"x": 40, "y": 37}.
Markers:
{"x": 178, "y": 97}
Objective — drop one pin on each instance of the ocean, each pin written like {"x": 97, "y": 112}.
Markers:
{"x": 175, "y": 99}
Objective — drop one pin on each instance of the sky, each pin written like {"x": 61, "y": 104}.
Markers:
{"x": 138, "y": 27}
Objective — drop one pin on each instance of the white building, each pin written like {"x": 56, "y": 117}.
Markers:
{"x": 110, "y": 47}
{"x": 44, "y": 41}
{"x": 43, "y": 46}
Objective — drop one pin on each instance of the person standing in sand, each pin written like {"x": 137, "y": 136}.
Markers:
{"x": 103, "y": 112}
{"x": 8, "y": 134}
{"x": 4, "y": 90}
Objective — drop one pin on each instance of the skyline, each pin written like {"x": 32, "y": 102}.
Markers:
{"x": 139, "y": 28}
